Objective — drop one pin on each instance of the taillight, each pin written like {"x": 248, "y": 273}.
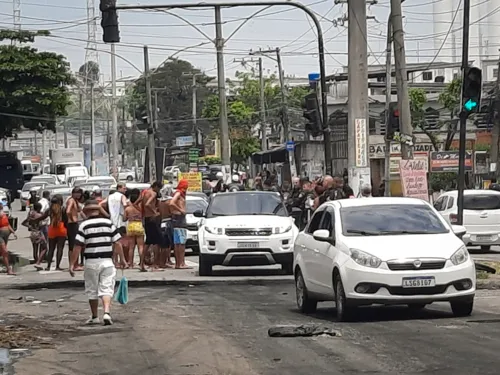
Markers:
{"x": 453, "y": 218}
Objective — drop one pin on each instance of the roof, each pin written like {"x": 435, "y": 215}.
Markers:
{"x": 246, "y": 192}
{"x": 374, "y": 201}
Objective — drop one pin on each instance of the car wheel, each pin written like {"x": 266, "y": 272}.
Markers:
{"x": 130, "y": 178}
{"x": 344, "y": 311}
{"x": 205, "y": 266}
{"x": 462, "y": 308}
{"x": 416, "y": 306}
{"x": 305, "y": 304}
{"x": 485, "y": 247}
{"x": 287, "y": 268}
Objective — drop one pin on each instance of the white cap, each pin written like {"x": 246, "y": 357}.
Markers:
{"x": 219, "y": 175}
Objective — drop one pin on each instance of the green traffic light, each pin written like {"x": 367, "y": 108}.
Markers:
{"x": 470, "y": 105}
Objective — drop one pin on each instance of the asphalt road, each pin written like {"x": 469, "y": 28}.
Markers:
{"x": 222, "y": 330}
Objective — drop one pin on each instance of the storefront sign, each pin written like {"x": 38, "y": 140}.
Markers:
{"x": 395, "y": 160}
{"x": 447, "y": 161}
{"x": 361, "y": 134}
{"x": 194, "y": 180}
{"x": 414, "y": 179}
{"x": 377, "y": 151}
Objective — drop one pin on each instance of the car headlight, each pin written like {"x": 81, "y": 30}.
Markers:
{"x": 365, "y": 259}
{"x": 214, "y": 230}
{"x": 282, "y": 230}
{"x": 460, "y": 256}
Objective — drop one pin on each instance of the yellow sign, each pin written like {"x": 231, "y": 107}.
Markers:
{"x": 194, "y": 180}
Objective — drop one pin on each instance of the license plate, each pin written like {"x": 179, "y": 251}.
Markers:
{"x": 418, "y": 282}
{"x": 483, "y": 238}
{"x": 248, "y": 245}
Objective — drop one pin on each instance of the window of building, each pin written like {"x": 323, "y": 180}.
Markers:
{"x": 427, "y": 76}
{"x": 495, "y": 73}
{"x": 455, "y": 75}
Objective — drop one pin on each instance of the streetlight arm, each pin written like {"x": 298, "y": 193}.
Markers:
{"x": 119, "y": 56}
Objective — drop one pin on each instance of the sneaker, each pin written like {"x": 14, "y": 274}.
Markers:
{"x": 93, "y": 321}
{"x": 107, "y": 319}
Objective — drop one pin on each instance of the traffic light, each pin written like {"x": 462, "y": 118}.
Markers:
{"x": 393, "y": 125}
{"x": 311, "y": 113}
{"x": 109, "y": 22}
{"x": 472, "y": 86}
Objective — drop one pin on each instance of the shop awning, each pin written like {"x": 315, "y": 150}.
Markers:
{"x": 275, "y": 155}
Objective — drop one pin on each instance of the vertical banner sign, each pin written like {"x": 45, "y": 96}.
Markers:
{"x": 194, "y": 180}
{"x": 361, "y": 148}
{"x": 413, "y": 175}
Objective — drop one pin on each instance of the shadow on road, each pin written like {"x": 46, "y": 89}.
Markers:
{"x": 383, "y": 314}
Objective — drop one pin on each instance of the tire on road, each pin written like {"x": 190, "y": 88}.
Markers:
{"x": 462, "y": 308}
{"x": 306, "y": 304}
{"x": 130, "y": 178}
{"x": 345, "y": 312}
{"x": 204, "y": 266}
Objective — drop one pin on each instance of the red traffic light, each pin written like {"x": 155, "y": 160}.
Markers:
{"x": 396, "y": 113}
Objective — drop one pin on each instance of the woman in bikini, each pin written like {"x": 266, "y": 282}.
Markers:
{"x": 135, "y": 230}
{"x": 5, "y": 232}
{"x": 57, "y": 231}
{"x": 37, "y": 238}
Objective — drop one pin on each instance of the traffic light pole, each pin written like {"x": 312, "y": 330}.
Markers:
{"x": 463, "y": 115}
{"x": 109, "y": 6}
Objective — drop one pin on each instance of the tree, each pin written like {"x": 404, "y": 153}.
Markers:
{"x": 173, "y": 83}
{"x": 450, "y": 99}
{"x": 244, "y": 110}
{"x": 89, "y": 73}
{"x": 418, "y": 99}
{"x": 33, "y": 85}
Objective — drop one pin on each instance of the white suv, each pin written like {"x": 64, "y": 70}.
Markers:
{"x": 481, "y": 215}
{"x": 246, "y": 228}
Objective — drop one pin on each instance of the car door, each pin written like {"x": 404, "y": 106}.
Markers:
{"x": 307, "y": 246}
{"x": 326, "y": 252}
{"x": 448, "y": 208}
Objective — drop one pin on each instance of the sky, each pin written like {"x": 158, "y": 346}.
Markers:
{"x": 167, "y": 35}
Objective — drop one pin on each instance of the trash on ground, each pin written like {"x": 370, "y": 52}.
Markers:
{"x": 302, "y": 331}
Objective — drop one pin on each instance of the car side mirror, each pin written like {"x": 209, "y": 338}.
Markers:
{"x": 19, "y": 192}
{"x": 198, "y": 213}
{"x": 323, "y": 235}
{"x": 459, "y": 230}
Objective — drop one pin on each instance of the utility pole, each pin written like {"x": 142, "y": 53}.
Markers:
{"x": 406, "y": 127}
{"x": 221, "y": 80}
{"x": 357, "y": 103}
{"x": 65, "y": 134}
{"x": 114, "y": 116}
{"x": 495, "y": 132}
{"x": 388, "y": 97}
{"x": 92, "y": 130}
{"x": 263, "y": 125}
{"x": 155, "y": 110}
{"x": 463, "y": 115}
{"x": 80, "y": 128}
{"x": 194, "y": 108}
{"x": 151, "y": 129}
{"x": 44, "y": 150}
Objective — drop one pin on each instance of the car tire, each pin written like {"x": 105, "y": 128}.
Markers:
{"x": 416, "y": 306}
{"x": 305, "y": 304}
{"x": 485, "y": 247}
{"x": 130, "y": 178}
{"x": 461, "y": 309}
{"x": 204, "y": 266}
{"x": 287, "y": 268}
{"x": 344, "y": 311}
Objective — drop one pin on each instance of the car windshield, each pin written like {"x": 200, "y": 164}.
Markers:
{"x": 193, "y": 205}
{"x": 31, "y": 185}
{"x": 376, "y": 220}
{"x": 234, "y": 204}
{"x": 480, "y": 202}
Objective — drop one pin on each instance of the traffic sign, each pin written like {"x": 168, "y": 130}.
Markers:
{"x": 290, "y": 146}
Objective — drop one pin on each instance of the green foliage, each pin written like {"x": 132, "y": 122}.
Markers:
{"x": 450, "y": 97}
{"x": 442, "y": 181}
{"x": 211, "y": 160}
{"x": 418, "y": 99}
{"x": 243, "y": 147}
{"x": 33, "y": 84}
{"x": 173, "y": 84}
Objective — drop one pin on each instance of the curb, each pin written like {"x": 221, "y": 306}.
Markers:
{"x": 67, "y": 284}
{"x": 487, "y": 284}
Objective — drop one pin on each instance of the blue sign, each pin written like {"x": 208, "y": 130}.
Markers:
{"x": 313, "y": 77}
{"x": 290, "y": 146}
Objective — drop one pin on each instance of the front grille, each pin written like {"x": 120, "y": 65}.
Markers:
{"x": 193, "y": 228}
{"x": 424, "y": 266}
{"x": 400, "y": 291}
{"x": 237, "y": 232}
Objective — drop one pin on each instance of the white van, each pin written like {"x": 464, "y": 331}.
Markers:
{"x": 72, "y": 173}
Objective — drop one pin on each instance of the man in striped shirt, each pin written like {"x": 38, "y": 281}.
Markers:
{"x": 97, "y": 237}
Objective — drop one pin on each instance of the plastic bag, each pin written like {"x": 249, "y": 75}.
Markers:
{"x": 122, "y": 293}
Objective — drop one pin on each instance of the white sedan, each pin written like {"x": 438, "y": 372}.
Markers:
{"x": 388, "y": 251}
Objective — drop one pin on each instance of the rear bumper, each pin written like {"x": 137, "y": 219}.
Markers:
{"x": 478, "y": 239}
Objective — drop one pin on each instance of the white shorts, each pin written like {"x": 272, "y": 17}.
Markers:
{"x": 99, "y": 276}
